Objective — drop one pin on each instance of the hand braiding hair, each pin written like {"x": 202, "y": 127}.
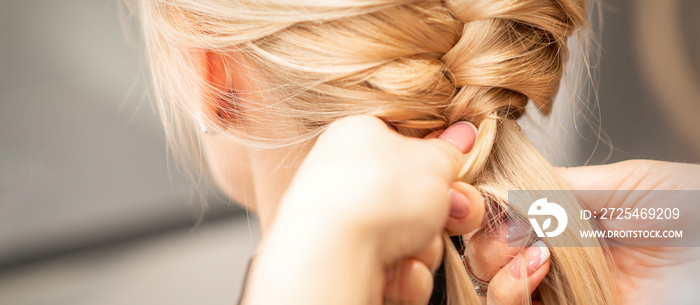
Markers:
{"x": 418, "y": 65}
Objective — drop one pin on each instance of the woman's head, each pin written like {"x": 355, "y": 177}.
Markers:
{"x": 275, "y": 73}
{"x": 266, "y": 77}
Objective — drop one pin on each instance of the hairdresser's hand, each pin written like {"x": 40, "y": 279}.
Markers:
{"x": 406, "y": 281}
{"x": 657, "y": 272}
{"x": 365, "y": 201}
{"x": 507, "y": 267}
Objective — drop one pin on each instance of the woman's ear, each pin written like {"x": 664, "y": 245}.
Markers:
{"x": 220, "y": 82}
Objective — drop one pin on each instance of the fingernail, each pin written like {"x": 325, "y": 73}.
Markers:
{"x": 516, "y": 233}
{"x": 516, "y": 230}
{"x": 459, "y": 204}
{"x": 535, "y": 256}
{"x": 461, "y": 134}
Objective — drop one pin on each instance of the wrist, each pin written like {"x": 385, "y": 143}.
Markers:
{"x": 313, "y": 262}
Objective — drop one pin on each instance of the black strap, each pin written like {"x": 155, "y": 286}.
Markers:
{"x": 245, "y": 281}
{"x": 439, "y": 295}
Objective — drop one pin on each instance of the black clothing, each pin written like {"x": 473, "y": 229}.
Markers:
{"x": 439, "y": 296}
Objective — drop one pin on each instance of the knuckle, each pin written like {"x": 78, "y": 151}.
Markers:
{"x": 432, "y": 256}
{"x": 438, "y": 254}
{"x": 356, "y": 132}
{"x": 497, "y": 296}
{"x": 445, "y": 157}
{"x": 355, "y": 122}
{"x": 635, "y": 165}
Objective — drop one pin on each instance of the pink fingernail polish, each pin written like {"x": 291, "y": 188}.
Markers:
{"x": 461, "y": 134}
{"x": 459, "y": 204}
{"x": 535, "y": 256}
{"x": 516, "y": 233}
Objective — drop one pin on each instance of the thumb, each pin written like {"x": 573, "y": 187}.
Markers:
{"x": 624, "y": 175}
{"x": 630, "y": 175}
{"x": 516, "y": 281}
{"x": 596, "y": 177}
{"x": 460, "y": 135}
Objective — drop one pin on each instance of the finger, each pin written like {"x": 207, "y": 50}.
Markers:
{"x": 594, "y": 177}
{"x": 598, "y": 177}
{"x": 411, "y": 282}
{"x": 489, "y": 250}
{"x": 460, "y": 135}
{"x": 625, "y": 175}
{"x": 515, "y": 282}
{"x": 466, "y": 209}
{"x": 431, "y": 256}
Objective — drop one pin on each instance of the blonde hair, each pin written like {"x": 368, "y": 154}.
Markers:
{"x": 418, "y": 65}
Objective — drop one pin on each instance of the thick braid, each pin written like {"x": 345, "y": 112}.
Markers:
{"x": 509, "y": 52}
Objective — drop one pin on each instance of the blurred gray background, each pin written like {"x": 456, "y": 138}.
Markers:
{"x": 93, "y": 210}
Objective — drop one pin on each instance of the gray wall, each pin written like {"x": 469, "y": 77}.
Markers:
{"x": 82, "y": 154}
{"x": 640, "y": 87}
